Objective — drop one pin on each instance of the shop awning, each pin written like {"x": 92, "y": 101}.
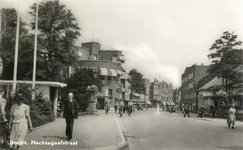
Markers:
{"x": 148, "y": 102}
{"x": 112, "y": 72}
{"x": 123, "y": 75}
{"x": 119, "y": 72}
{"x": 163, "y": 103}
{"x": 103, "y": 71}
{"x": 168, "y": 103}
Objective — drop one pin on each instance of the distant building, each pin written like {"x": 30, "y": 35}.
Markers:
{"x": 190, "y": 79}
{"x": 161, "y": 92}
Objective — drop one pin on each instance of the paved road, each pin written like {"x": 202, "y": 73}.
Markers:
{"x": 148, "y": 130}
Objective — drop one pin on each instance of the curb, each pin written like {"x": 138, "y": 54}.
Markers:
{"x": 123, "y": 142}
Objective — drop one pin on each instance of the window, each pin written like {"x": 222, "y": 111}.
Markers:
{"x": 94, "y": 57}
{"x": 110, "y": 92}
{"x": 102, "y": 77}
{"x": 114, "y": 59}
{"x": 109, "y": 78}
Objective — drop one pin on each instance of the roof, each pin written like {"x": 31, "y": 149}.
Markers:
{"x": 51, "y": 83}
{"x": 214, "y": 81}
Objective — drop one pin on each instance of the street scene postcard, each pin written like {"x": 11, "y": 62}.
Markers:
{"x": 121, "y": 75}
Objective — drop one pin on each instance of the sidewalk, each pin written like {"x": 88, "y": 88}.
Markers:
{"x": 96, "y": 132}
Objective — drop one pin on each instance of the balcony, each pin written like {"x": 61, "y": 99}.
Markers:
{"x": 121, "y": 58}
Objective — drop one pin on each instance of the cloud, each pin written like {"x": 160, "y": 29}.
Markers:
{"x": 148, "y": 62}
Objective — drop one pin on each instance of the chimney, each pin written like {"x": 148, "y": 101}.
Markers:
{"x": 201, "y": 64}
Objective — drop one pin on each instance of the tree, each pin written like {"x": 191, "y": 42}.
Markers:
{"x": 58, "y": 31}
{"x": 227, "y": 59}
{"x": 78, "y": 83}
{"x": 7, "y": 47}
{"x": 136, "y": 83}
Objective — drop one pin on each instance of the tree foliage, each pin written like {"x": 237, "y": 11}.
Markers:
{"x": 227, "y": 59}
{"x": 7, "y": 47}
{"x": 78, "y": 83}
{"x": 58, "y": 32}
{"x": 136, "y": 83}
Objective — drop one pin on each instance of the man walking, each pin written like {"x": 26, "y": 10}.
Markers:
{"x": 70, "y": 112}
{"x": 186, "y": 111}
{"x": 121, "y": 107}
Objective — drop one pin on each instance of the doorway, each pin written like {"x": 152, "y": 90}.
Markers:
{"x": 101, "y": 103}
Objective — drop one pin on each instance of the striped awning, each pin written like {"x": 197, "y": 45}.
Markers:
{"x": 103, "y": 71}
{"x": 119, "y": 72}
{"x": 148, "y": 102}
{"x": 112, "y": 72}
{"x": 123, "y": 74}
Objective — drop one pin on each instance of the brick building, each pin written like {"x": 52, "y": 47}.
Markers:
{"x": 190, "y": 79}
{"x": 107, "y": 65}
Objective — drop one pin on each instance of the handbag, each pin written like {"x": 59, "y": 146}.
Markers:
{"x": 228, "y": 121}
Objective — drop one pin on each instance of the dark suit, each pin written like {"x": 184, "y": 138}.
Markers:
{"x": 186, "y": 112}
{"x": 70, "y": 112}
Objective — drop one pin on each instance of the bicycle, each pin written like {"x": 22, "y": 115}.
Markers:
{"x": 4, "y": 134}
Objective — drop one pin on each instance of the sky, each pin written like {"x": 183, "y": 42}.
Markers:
{"x": 158, "y": 38}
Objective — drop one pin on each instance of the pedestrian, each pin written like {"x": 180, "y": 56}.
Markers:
{"x": 70, "y": 112}
{"x": 121, "y": 105}
{"x": 183, "y": 109}
{"x": 2, "y": 106}
{"x": 124, "y": 109}
{"x": 115, "y": 107}
{"x": 213, "y": 110}
{"x": 107, "y": 105}
{"x": 20, "y": 116}
{"x": 231, "y": 119}
{"x": 186, "y": 111}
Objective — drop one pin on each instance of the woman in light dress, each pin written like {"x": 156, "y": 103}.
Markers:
{"x": 232, "y": 112}
{"x": 20, "y": 116}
